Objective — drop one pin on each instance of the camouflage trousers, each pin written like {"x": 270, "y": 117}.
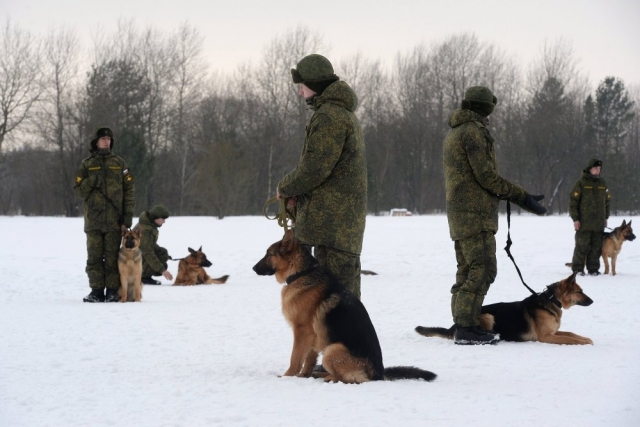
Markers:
{"x": 477, "y": 269}
{"x": 344, "y": 265}
{"x": 588, "y": 248}
{"x": 102, "y": 259}
{"x": 163, "y": 257}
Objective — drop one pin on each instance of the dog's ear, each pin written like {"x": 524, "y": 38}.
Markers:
{"x": 200, "y": 250}
{"x": 191, "y": 251}
{"x": 630, "y": 223}
{"x": 571, "y": 279}
{"x": 138, "y": 232}
{"x": 624, "y": 223}
{"x": 124, "y": 231}
{"x": 288, "y": 241}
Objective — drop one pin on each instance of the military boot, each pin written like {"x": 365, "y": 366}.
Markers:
{"x": 474, "y": 335}
{"x": 96, "y": 295}
{"x": 112, "y": 296}
{"x": 150, "y": 281}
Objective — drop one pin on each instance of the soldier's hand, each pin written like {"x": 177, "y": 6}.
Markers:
{"x": 576, "y": 225}
{"x": 167, "y": 275}
{"x": 531, "y": 204}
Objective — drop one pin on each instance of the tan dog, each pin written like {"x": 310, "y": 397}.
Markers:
{"x": 191, "y": 270}
{"x": 536, "y": 318}
{"x": 612, "y": 245}
{"x": 326, "y": 318}
{"x": 130, "y": 267}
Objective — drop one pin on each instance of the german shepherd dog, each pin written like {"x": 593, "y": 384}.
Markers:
{"x": 191, "y": 270}
{"x": 612, "y": 245}
{"x": 536, "y": 318}
{"x": 326, "y": 318}
{"x": 130, "y": 267}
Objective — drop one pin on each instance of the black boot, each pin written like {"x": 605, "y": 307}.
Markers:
{"x": 96, "y": 295}
{"x": 150, "y": 281}
{"x": 594, "y": 273}
{"x": 474, "y": 335}
{"x": 112, "y": 296}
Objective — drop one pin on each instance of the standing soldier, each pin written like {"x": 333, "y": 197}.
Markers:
{"x": 589, "y": 210}
{"x": 154, "y": 256}
{"x": 329, "y": 184}
{"x": 473, "y": 191}
{"x": 105, "y": 184}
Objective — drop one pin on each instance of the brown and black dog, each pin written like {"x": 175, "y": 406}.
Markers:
{"x": 130, "y": 267}
{"x": 191, "y": 270}
{"x": 326, "y": 318}
{"x": 536, "y": 318}
{"x": 612, "y": 245}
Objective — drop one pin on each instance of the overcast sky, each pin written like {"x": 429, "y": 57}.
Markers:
{"x": 604, "y": 33}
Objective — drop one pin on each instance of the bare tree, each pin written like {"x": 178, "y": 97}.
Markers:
{"x": 60, "y": 71}
{"x": 19, "y": 78}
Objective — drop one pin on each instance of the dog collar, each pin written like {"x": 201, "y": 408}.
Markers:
{"x": 299, "y": 274}
{"x": 551, "y": 296}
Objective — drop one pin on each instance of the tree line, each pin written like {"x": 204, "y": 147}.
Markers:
{"x": 206, "y": 143}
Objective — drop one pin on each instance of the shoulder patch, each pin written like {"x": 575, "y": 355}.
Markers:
{"x": 576, "y": 194}
{"x": 79, "y": 179}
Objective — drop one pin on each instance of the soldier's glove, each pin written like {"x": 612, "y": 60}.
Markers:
{"x": 531, "y": 204}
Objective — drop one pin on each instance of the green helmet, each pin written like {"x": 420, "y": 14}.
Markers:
{"x": 479, "y": 99}
{"x": 314, "y": 71}
{"x": 158, "y": 211}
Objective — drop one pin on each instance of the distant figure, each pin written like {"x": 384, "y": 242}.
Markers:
{"x": 589, "y": 210}
{"x": 328, "y": 187}
{"x": 106, "y": 185}
{"x": 154, "y": 257}
{"x": 473, "y": 191}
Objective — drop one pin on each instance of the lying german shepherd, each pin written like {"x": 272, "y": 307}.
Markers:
{"x": 326, "y": 318}
{"x": 130, "y": 267}
{"x": 536, "y": 318}
{"x": 191, "y": 270}
{"x": 612, "y": 245}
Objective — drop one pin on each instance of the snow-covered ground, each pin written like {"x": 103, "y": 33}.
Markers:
{"x": 211, "y": 355}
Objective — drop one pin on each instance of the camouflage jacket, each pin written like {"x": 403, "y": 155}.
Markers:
{"x": 149, "y": 242}
{"x": 330, "y": 181}
{"x": 472, "y": 183}
{"x": 589, "y": 202}
{"x": 107, "y": 187}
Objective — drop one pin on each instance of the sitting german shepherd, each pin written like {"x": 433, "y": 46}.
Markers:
{"x": 536, "y": 318}
{"x": 612, "y": 245}
{"x": 326, "y": 318}
{"x": 130, "y": 267}
{"x": 191, "y": 270}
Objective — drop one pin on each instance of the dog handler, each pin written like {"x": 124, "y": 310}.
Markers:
{"x": 329, "y": 184}
{"x": 106, "y": 185}
{"x": 154, "y": 257}
{"x": 589, "y": 209}
{"x": 473, "y": 191}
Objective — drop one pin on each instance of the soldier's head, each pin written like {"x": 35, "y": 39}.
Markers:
{"x": 103, "y": 140}
{"x": 479, "y": 99}
{"x": 158, "y": 214}
{"x": 314, "y": 73}
{"x": 594, "y": 167}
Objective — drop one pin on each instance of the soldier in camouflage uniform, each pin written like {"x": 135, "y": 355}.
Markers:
{"x": 589, "y": 210}
{"x": 329, "y": 184}
{"x": 106, "y": 185}
{"x": 154, "y": 257}
{"x": 473, "y": 191}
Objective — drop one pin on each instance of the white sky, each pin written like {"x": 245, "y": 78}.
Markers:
{"x": 604, "y": 33}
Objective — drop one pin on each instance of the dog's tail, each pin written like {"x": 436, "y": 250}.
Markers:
{"x": 436, "y": 332}
{"x": 407, "y": 373}
{"x": 568, "y": 264}
{"x": 219, "y": 280}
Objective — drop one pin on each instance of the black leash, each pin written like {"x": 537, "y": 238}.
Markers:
{"x": 507, "y": 248}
